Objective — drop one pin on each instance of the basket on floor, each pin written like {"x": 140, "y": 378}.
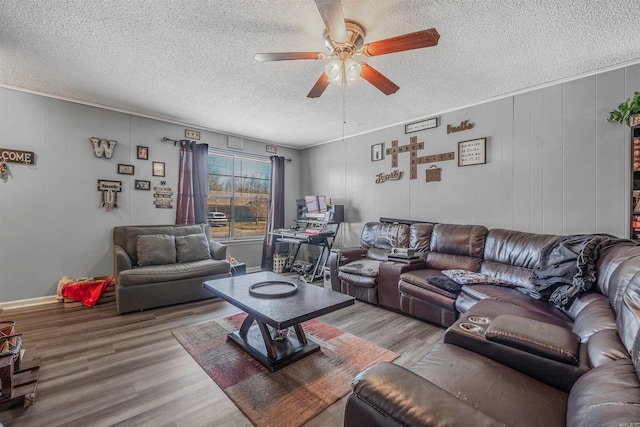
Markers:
{"x": 279, "y": 262}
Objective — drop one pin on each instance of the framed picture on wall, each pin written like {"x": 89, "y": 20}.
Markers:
{"x": 377, "y": 152}
{"x": 143, "y": 152}
{"x": 472, "y": 152}
{"x": 143, "y": 185}
{"x": 125, "y": 169}
{"x": 158, "y": 168}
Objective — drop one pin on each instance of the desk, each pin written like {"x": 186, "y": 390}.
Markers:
{"x": 323, "y": 239}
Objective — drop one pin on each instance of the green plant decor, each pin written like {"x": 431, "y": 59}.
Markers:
{"x": 625, "y": 110}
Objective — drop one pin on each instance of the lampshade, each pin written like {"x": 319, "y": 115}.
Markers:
{"x": 338, "y": 71}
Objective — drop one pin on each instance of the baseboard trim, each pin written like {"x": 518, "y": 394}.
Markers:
{"x": 28, "y": 302}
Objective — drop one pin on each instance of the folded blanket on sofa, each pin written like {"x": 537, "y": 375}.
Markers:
{"x": 567, "y": 267}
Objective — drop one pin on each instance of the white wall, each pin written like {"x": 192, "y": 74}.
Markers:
{"x": 50, "y": 221}
{"x": 554, "y": 165}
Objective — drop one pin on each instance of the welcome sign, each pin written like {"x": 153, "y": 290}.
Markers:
{"x": 17, "y": 156}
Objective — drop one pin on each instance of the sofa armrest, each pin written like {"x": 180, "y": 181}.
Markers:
{"x": 338, "y": 257}
{"x": 387, "y": 394}
{"x": 121, "y": 260}
{"x": 388, "y": 278}
{"x": 218, "y": 250}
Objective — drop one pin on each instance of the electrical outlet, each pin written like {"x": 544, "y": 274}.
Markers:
{"x": 235, "y": 142}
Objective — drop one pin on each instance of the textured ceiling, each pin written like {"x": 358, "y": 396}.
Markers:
{"x": 191, "y": 61}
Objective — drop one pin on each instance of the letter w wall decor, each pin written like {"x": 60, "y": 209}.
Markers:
{"x": 103, "y": 147}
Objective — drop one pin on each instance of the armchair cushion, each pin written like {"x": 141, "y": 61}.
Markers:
{"x": 192, "y": 247}
{"x": 156, "y": 249}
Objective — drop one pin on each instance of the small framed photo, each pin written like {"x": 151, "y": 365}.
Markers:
{"x": 472, "y": 152}
{"x": 143, "y": 185}
{"x": 143, "y": 152}
{"x": 125, "y": 169}
{"x": 158, "y": 169}
{"x": 377, "y": 152}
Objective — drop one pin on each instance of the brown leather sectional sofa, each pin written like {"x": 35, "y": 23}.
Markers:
{"x": 507, "y": 358}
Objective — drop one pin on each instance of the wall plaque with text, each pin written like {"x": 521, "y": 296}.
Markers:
{"x": 472, "y": 152}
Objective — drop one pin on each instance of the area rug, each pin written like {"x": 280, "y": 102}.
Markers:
{"x": 294, "y": 394}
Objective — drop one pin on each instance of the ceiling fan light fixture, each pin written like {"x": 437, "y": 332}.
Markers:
{"x": 333, "y": 70}
{"x": 352, "y": 71}
{"x": 339, "y": 71}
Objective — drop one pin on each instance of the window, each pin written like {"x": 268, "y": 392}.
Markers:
{"x": 238, "y": 195}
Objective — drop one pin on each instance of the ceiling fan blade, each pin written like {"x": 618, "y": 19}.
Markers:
{"x": 284, "y": 56}
{"x": 319, "y": 87}
{"x": 331, "y": 12}
{"x": 417, "y": 40}
{"x": 374, "y": 77}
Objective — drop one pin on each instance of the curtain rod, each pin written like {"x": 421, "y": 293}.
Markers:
{"x": 175, "y": 142}
{"x": 184, "y": 141}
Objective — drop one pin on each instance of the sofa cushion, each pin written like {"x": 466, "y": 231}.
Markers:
{"x": 429, "y": 285}
{"x": 605, "y": 346}
{"x": 492, "y": 388}
{"x": 430, "y": 280}
{"x": 606, "y": 396}
{"x": 171, "y": 272}
{"x": 156, "y": 249}
{"x": 193, "y": 247}
{"x": 511, "y": 296}
{"x": 378, "y": 254}
{"x": 420, "y": 236}
{"x": 384, "y": 236}
{"x": 513, "y": 255}
{"x": 456, "y": 247}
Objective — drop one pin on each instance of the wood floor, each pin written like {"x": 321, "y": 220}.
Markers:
{"x": 99, "y": 368}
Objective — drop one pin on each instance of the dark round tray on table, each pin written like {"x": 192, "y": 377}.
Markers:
{"x": 273, "y": 289}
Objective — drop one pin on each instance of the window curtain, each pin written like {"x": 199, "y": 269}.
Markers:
{"x": 275, "y": 216}
{"x": 193, "y": 184}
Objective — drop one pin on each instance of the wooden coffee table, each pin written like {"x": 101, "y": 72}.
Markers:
{"x": 308, "y": 302}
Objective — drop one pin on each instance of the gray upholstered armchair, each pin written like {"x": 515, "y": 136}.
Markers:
{"x": 158, "y": 265}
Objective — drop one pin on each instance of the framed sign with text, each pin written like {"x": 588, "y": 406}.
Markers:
{"x": 472, "y": 152}
{"x": 424, "y": 124}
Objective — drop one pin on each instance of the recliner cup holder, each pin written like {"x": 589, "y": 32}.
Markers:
{"x": 470, "y": 327}
{"x": 478, "y": 320}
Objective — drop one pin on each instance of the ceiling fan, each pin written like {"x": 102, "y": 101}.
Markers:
{"x": 344, "y": 39}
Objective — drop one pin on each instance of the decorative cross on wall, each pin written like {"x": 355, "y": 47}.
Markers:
{"x": 413, "y": 148}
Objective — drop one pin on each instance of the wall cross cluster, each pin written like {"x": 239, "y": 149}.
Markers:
{"x": 412, "y": 148}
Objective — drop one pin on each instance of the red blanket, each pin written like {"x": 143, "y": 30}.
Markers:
{"x": 88, "y": 293}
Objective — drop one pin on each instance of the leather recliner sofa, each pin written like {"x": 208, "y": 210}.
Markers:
{"x": 508, "y": 358}
{"x": 511, "y": 362}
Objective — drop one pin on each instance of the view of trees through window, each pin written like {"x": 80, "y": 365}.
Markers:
{"x": 238, "y": 195}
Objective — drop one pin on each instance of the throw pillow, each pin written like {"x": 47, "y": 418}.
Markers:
{"x": 445, "y": 283}
{"x": 464, "y": 277}
{"x": 156, "y": 249}
{"x": 193, "y": 247}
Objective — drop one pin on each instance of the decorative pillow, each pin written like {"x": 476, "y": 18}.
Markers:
{"x": 193, "y": 247}
{"x": 443, "y": 282}
{"x": 464, "y": 277}
{"x": 156, "y": 249}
